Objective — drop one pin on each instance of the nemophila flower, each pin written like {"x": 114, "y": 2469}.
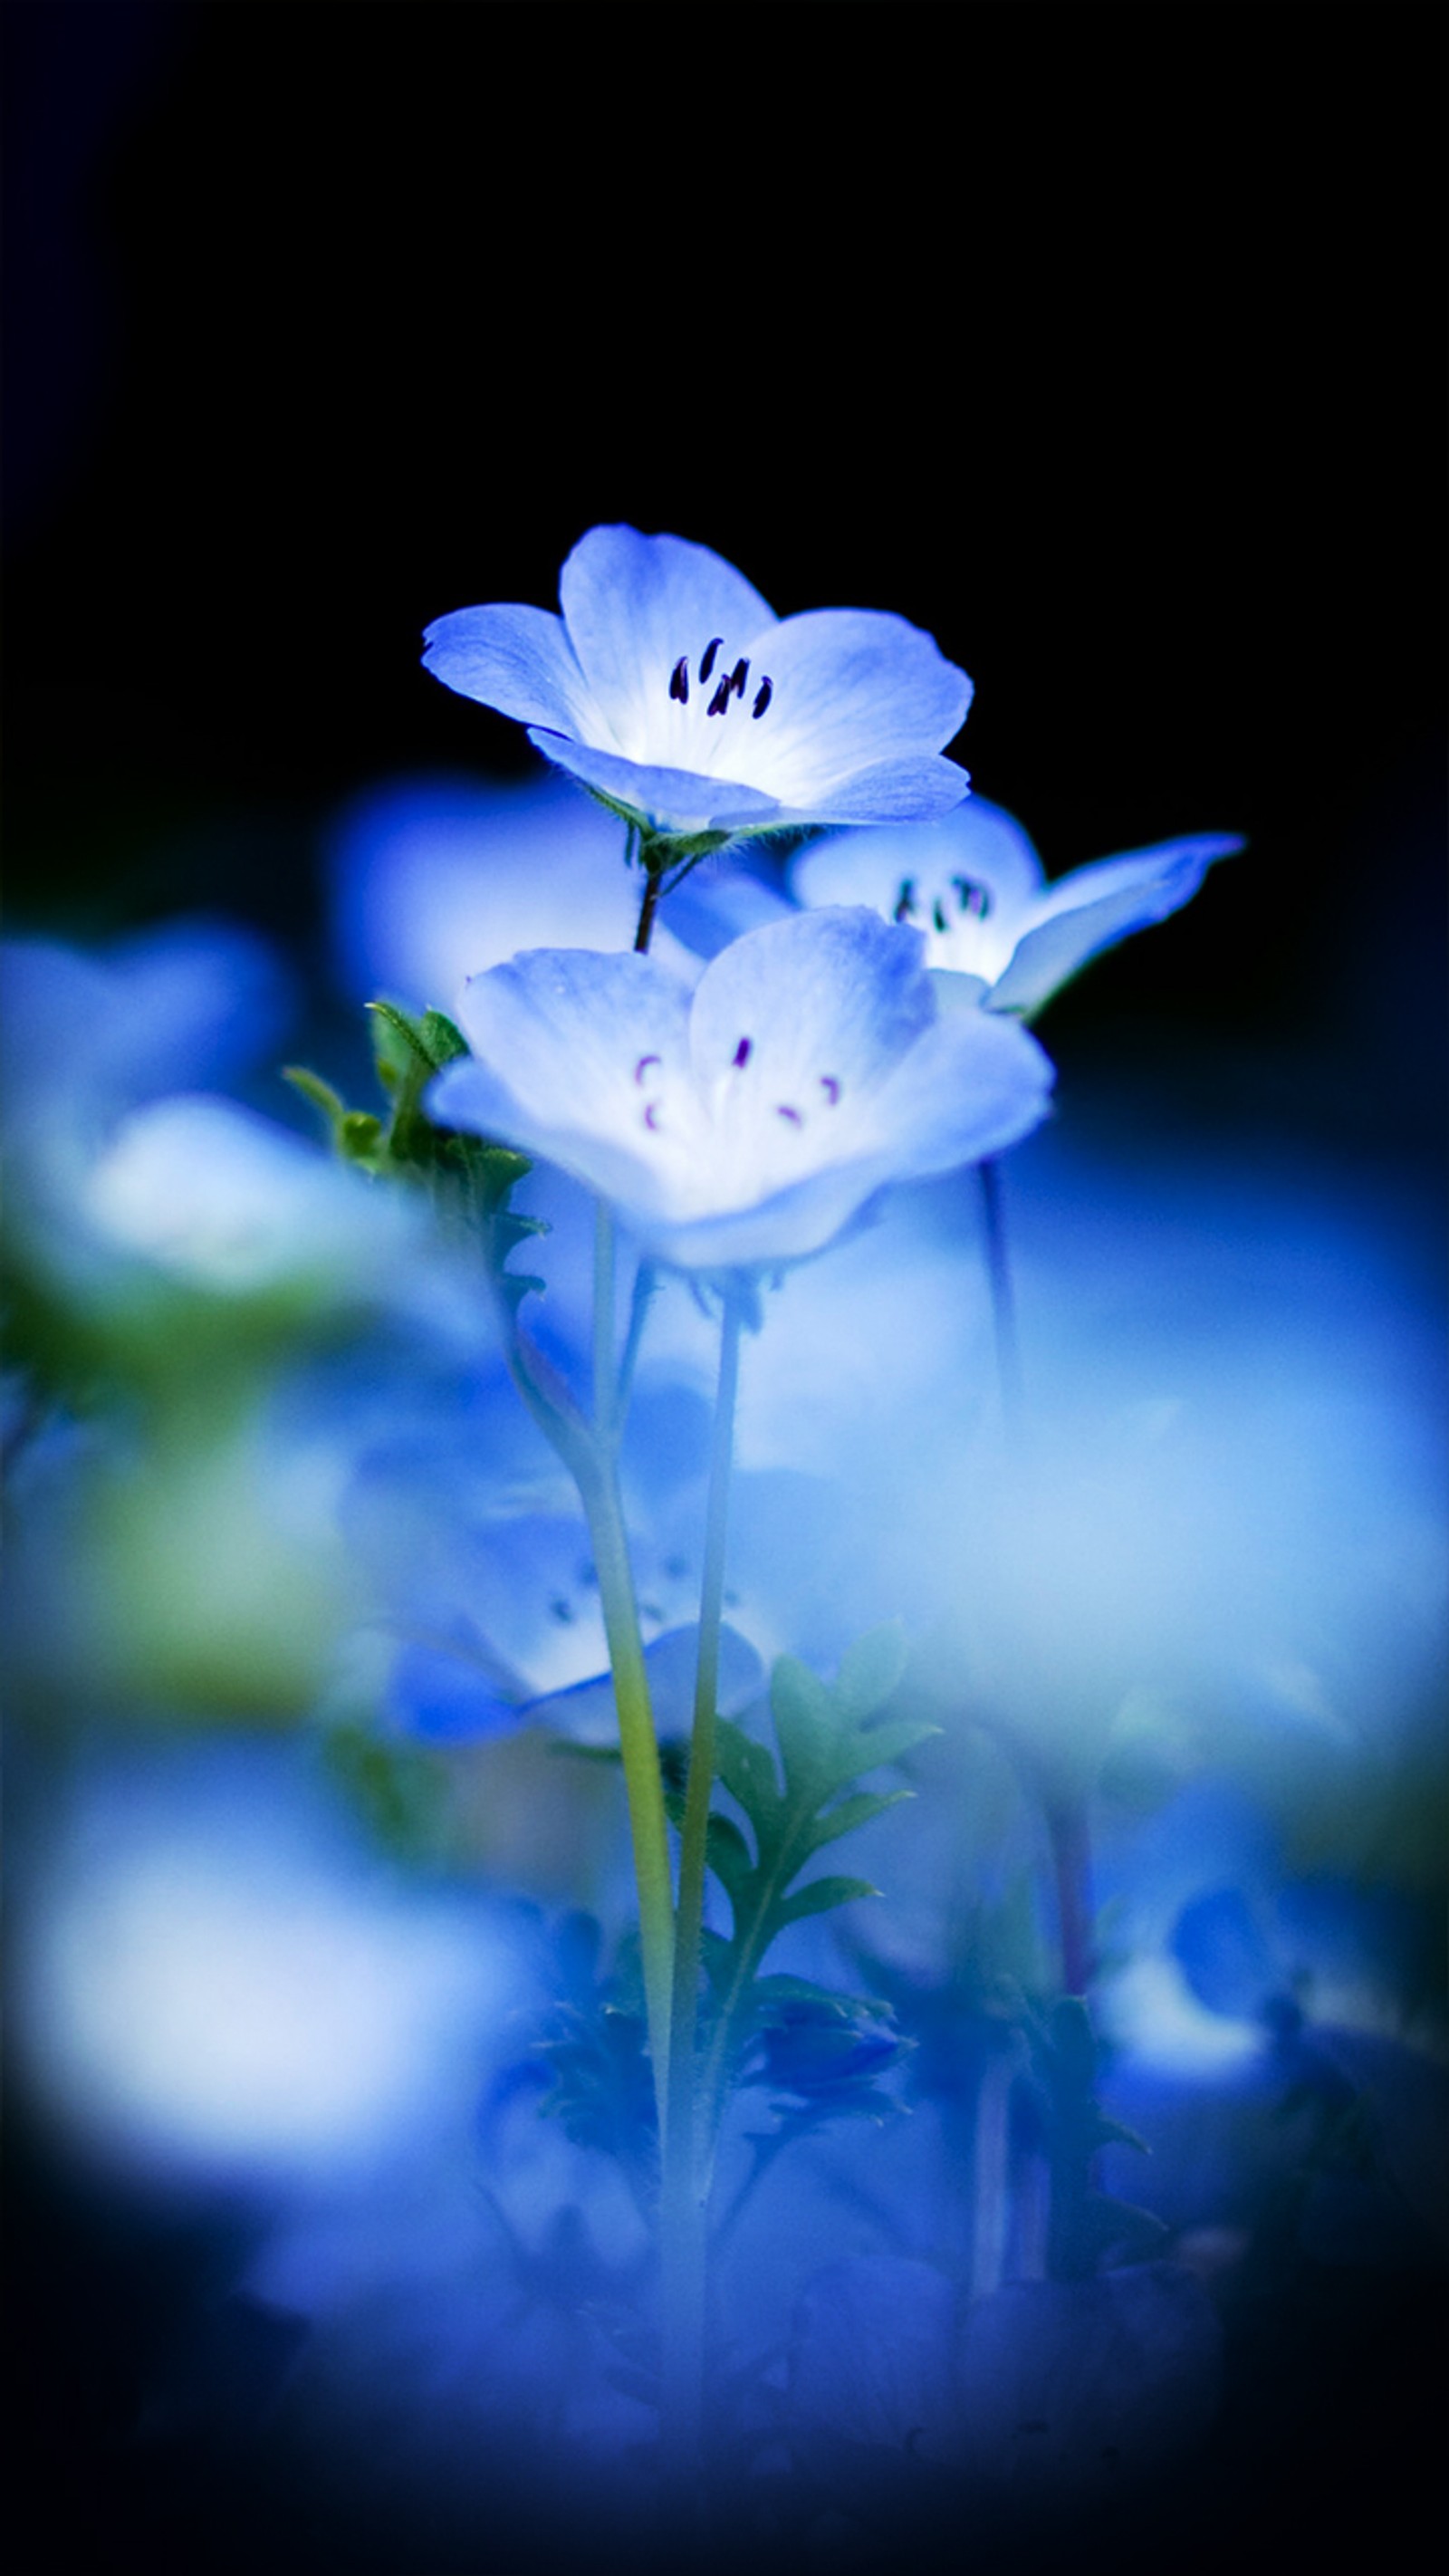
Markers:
{"x": 670, "y": 687}
{"x": 974, "y": 885}
{"x": 748, "y": 1121}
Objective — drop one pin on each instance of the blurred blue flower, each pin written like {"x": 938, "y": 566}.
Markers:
{"x": 749, "y": 1122}
{"x": 670, "y": 687}
{"x": 432, "y": 880}
{"x": 974, "y": 884}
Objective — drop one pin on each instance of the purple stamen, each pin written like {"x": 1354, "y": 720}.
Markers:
{"x": 720, "y": 700}
{"x": 707, "y": 662}
{"x": 741, "y": 1054}
{"x": 738, "y": 677}
{"x": 763, "y": 695}
{"x": 905, "y": 900}
{"x": 651, "y": 1116}
{"x": 974, "y": 898}
{"x": 679, "y": 681}
{"x": 830, "y": 1087}
{"x": 642, "y": 1067}
{"x": 792, "y": 1114}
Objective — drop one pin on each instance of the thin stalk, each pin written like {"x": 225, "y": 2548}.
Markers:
{"x": 1003, "y": 1297}
{"x": 645, "y": 1282}
{"x": 653, "y": 887}
{"x": 639, "y": 1748}
{"x": 685, "y": 2183}
{"x": 1072, "y": 1867}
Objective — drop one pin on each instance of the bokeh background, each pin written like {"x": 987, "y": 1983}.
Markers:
{"x": 1105, "y": 343}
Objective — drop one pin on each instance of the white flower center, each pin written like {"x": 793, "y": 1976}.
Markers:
{"x": 963, "y": 923}
{"x": 734, "y": 1138}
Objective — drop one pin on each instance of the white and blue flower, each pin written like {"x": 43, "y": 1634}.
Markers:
{"x": 973, "y": 884}
{"x": 670, "y": 687}
{"x": 748, "y": 1121}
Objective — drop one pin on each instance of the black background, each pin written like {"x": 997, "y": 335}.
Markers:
{"x": 1103, "y": 342}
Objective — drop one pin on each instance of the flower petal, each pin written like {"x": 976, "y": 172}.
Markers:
{"x": 979, "y": 841}
{"x": 1094, "y": 907}
{"x": 516, "y": 659}
{"x": 633, "y": 605}
{"x": 679, "y": 800}
{"x": 912, "y": 791}
{"x": 837, "y": 995}
{"x": 852, "y": 688}
{"x": 558, "y": 1037}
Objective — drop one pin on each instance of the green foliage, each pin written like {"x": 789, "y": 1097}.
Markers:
{"x": 1086, "y": 2225}
{"x": 827, "y": 2049}
{"x": 468, "y": 1178}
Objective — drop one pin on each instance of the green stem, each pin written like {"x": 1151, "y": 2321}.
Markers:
{"x": 653, "y": 887}
{"x": 640, "y": 1750}
{"x": 685, "y": 2165}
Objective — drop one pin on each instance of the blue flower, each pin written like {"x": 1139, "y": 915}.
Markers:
{"x": 670, "y": 687}
{"x": 974, "y": 884}
{"x": 748, "y": 1121}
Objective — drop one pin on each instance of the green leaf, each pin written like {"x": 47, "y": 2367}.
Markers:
{"x": 819, "y": 1895}
{"x": 442, "y": 1039}
{"x": 748, "y": 1773}
{"x": 875, "y": 1745}
{"x": 870, "y": 1671}
{"x": 851, "y": 1812}
{"x": 805, "y": 1719}
{"x": 313, "y": 1088}
{"x": 728, "y": 1855}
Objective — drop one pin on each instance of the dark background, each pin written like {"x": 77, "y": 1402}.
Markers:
{"x": 1105, "y": 342}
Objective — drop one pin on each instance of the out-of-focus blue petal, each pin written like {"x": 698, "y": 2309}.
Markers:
{"x": 433, "y": 880}
{"x": 514, "y": 658}
{"x": 588, "y": 1711}
{"x": 445, "y": 1698}
{"x": 1095, "y": 906}
{"x": 871, "y": 2355}
{"x": 634, "y": 604}
{"x": 1224, "y": 1956}
{"x": 707, "y": 912}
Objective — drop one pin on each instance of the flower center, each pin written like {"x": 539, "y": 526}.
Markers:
{"x": 729, "y": 685}
{"x": 972, "y": 898}
{"x": 649, "y": 1078}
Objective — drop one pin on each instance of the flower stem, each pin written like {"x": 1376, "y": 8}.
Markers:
{"x": 685, "y": 2159}
{"x": 652, "y": 888}
{"x": 1003, "y": 1298}
{"x": 1072, "y": 1866}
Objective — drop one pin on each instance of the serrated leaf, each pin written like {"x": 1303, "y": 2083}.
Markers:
{"x": 748, "y": 1773}
{"x": 879, "y": 1744}
{"x": 820, "y": 1895}
{"x": 728, "y": 1855}
{"x": 851, "y": 1812}
{"x": 870, "y": 1671}
{"x": 805, "y": 1720}
{"x": 409, "y": 1042}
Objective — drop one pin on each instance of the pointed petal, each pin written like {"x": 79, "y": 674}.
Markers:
{"x": 1095, "y": 906}
{"x": 852, "y": 689}
{"x": 516, "y": 659}
{"x": 633, "y": 604}
{"x": 679, "y": 800}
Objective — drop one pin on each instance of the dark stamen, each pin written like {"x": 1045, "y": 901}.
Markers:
{"x": 741, "y": 1054}
{"x": 763, "y": 695}
{"x": 707, "y": 663}
{"x": 679, "y": 681}
{"x": 938, "y": 913}
{"x": 792, "y": 1114}
{"x": 830, "y": 1087}
{"x": 642, "y": 1067}
{"x": 720, "y": 700}
{"x": 651, "y": 1114}
{"x": 905, "y": 900}
{"x": 974, "y": 898}
{"x": 738, "y": 677}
